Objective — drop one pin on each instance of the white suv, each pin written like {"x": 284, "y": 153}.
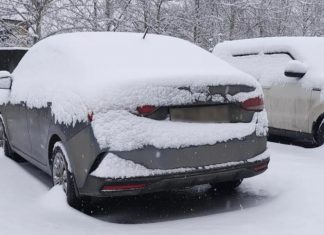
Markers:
{"x": 291, "y": 72}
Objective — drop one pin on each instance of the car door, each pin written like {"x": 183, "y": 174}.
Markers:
{"x": 286, "y": 101}
{"x": 17, "y": 127}
{"x": 288, "y": 106}
{"x": 38, "y": 123}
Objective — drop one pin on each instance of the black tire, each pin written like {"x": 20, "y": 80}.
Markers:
{"x": 6, "y": 145}
{"x": 319, "y": 135}
{"x": 227, "y": 187}
{"x": 73, "y": 199}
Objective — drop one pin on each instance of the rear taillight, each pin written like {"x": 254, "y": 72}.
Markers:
{"x": 122, "y": 187}
{"x": 262, "y": 167}
{"x": 253, "y": 104}
{"x": 90, "y": 116}
{"x": 146, "y": 110}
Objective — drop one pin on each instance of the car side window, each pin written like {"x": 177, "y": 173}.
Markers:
{"x": 9, "y": 59}
{"x": 268, "y": 68}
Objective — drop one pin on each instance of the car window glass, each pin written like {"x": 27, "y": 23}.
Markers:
{"x": 9, "y": 59}
{"x": 267, "y": 68}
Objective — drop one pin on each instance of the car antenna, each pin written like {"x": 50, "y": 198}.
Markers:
{"x": 145, "y": 32}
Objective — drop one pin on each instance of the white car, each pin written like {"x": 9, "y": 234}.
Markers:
{"x": 291, "y": 72}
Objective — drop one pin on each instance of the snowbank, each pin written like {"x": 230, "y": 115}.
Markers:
{"x": 97, "y": 72}
{"x": 308, "y": 50}
{"x": 114, "y": 167}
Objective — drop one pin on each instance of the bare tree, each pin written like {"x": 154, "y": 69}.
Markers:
{"x": 204, "y": 22}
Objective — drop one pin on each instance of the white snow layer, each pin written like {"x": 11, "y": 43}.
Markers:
{"x": 123, "y": 131}
{"x": 115, "y": 167}
{"x": 269, "y": 69}
{"x": 287, "y": 199}
{"x": 82, "y": 72}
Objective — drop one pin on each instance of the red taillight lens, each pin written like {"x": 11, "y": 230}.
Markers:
{"x": 254, "y": 104}
{"x": 262, "y": 167}
{"x": 122, "y": 187}
{"x": 90, "y": 116}
{"x": 146, "y": 109}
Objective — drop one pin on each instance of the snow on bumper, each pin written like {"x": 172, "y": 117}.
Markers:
{"x": 114, "y": 167}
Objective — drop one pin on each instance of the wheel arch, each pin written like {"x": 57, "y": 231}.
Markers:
{"x": 54, "y": 139}
{"x": 3, "y": 122}
{"x": 316, "y": 125}
{"x": 315, "y": 116}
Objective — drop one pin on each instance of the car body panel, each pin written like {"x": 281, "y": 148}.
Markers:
{"x": 38, "y": 121}
{"x": 15, "y": 116}
{"x": 286, "y": 110}
{"x": 93, "y": 185}
{"x": 196, "y": 156}
{"x": 82, "y": 156}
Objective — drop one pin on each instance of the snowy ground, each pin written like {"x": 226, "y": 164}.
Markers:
{"x": 288, "y": 199}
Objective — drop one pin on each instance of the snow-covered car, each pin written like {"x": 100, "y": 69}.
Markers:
{"x": 291, "y": 72}
{"x": 10, "y": 57}
{"x": 112, "y": 114}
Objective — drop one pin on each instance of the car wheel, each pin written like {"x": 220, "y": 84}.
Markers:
{"x": 228, "y": 186}
{"x": 319, "y": 135}
{"x": 6, "y": 146}
{"x": 63, "y": 177}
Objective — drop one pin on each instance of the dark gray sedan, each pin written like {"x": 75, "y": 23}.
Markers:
{"x": 111, "y": 114}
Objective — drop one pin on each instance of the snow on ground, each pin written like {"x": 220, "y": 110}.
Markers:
{"x": 288, "y": 199}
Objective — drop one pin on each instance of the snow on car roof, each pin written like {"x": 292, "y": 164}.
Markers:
{"x": 113, "y": 70}
{"x": 309, "y": 50}
{"x": 124, "y": 57}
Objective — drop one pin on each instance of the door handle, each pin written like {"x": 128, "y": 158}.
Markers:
{"x": 316, "y": 89}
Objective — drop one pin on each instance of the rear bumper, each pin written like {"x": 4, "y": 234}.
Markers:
{"x": 237, "y": 170}
{"x": 234, "y": 150}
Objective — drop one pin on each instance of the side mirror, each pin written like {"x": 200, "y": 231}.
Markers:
{"x": 295, "y": 69}
{"x": 5, "y": 80}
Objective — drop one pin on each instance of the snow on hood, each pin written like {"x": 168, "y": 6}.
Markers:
{"x": 308, "y": 50}
{"x": 82, "y": 72}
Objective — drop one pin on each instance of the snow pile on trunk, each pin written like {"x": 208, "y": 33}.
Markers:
{"x": 98, "y": 72}
{"x": 121, "y": 130}
{"x": 269, "y": 68}
{"x": 114, "y": 167}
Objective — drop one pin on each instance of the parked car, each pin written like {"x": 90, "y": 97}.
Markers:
{"x": 10, "y": 57}
{"x": 292, "y": 76}
{"x": 112, "y": 114}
